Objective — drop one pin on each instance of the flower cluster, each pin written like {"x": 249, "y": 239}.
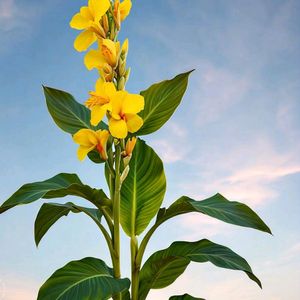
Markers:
{"x": 100, "y": 23}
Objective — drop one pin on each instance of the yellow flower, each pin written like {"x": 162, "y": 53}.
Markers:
{"x": 107, "y": 54}
{"x": 121, "y": 11}
{"x": 100, "y": 100}
{"x": 88, "y": 20}
{"x": 89, "y": 140}
{"x": 130, "y": 144}
{"x": 123, "y": 116}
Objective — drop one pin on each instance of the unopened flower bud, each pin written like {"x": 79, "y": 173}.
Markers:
{"x": 102, "y": 32}
{"x": 121, "y": 83}
{"x": 127, "y": 74}
{"x": 105, "y": 23}
{"x": 124, "y": 174}
{"x": 122, "y": 67}
{"x": 124, "y": 50}
{"x": 117, "y": 14}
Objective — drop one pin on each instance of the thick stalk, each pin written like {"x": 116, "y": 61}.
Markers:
{"x": 116, "y": 215}
{"x": 134, "y": 269}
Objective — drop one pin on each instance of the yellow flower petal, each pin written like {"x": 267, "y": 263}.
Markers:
{"x": 118, "y": 128}
{"x": 98, "y": 113}
{"x": 99, "y": 8}
{"x": 110, "y": 89}
{"x": 133, "y": 104}
{"x": 84, "y": 40}
{"x": 134, "y": 122}
{"x": 85, "y": 12}
{"x": 94, "y": 59}
{"x": 109, "y": 51}
{"x": 117, "y": 103}
{"x": 125, "y": 47}
{"x": 83, "y": 151}
{"x": 85, "y": 137}
{"x": 125, "y": 8}
{"x": 105, "y": 89}
{"x": 79, "y": 22}
{"x": 130, "y": 144}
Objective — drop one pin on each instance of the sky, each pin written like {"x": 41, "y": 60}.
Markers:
{"x": 237, "y": 132}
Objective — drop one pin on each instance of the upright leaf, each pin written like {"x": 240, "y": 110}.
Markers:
{"x": 58, "y": 186}
{"x": 217, "y": 207}
{"x": 185, "y": 297}
{"x": 67, "y": 113}
{"x": 143, "y": 190}
{"x": 161, "y": 100}
{"x": 170, "y": 263}
{"x": 88, "y": 279}
{"x": 50, "y": 213}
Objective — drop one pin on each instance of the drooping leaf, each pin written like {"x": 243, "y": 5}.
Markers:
{"x": 88, "y": 279}
{"x": 58, "y": 186}
{"x": 67, "y": 113}
{"x": 143, "y": 190}
{"x": 50, "y": 213}
{"x": 163, "y": 267}
{"x": 185, "y": 297}
{"x": 161, "y": 100}
{"x": 217, "y": 207}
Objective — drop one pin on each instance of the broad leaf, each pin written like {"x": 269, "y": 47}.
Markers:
{"x": 165, "y": 266}
{"x": 185, "y": 297}
{"x": 50, "y": 213}
{"x": 88, "y": 279}
{"x": 67, "y": 113}
{"x": 143, "y": 190}
{"x": 58, "y": 186}
{"x": 161, "y": 100}
{"x": 217, "y": 207}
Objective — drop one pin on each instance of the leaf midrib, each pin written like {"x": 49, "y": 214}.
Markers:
{"x": 78, "y": 282}
{"x": 155, "y": 106}
{"x": 72, "y": 113}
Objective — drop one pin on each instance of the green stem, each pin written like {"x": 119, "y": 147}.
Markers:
{"x": 144, "y": 243}
{"x": 135, "y": 270}
{"x": 116, "y": 215}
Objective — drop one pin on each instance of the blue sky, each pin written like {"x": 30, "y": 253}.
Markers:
{"x": 237, "y": 132}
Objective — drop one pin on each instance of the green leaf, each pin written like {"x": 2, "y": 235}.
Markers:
{"x": 58, "y": 186}
{"x": 217, "y": 207}
{"x": 161, "y": 100}
{"x": 50, "y": 213}
{"x": 67, "y": 113}
{"x": 163, "y": 267}
{"x": 185, "y": 297}
{"x": 87, "y": 279}
{"x": 143, "y": 190}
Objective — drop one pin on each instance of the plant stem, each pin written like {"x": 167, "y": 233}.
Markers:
{"x": 134, "y": 269}
{"x": 116, "y": 215}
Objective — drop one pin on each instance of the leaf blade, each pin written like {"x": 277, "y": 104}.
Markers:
{"x": 218, "y": 207}
{"x": 89, "y": 279}
{"x": 161, "y": 101}
{"x": 50, "y": 213}
{"x": 143, "y": 190}
{"x": 59, "y": 186}
{"x": 200, "y": 251}
{"x": 67, "y": 113}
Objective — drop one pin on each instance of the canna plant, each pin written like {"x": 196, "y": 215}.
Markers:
{"x": 134, "y": 173}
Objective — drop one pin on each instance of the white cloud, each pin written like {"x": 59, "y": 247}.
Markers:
{"x": 219, "y": 90}
{"x": 17, "y": 288}
{"x": 247, "y": 180}
{"x": 173, "y": 146}
{"x": 17, "y": 22}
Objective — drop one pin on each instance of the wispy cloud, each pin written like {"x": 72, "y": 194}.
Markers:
{"x": 17, "y": 288}
{"x": 17, "y": 22}
{"x": 249, "y": 180}
{"x": 172, "y": 146}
